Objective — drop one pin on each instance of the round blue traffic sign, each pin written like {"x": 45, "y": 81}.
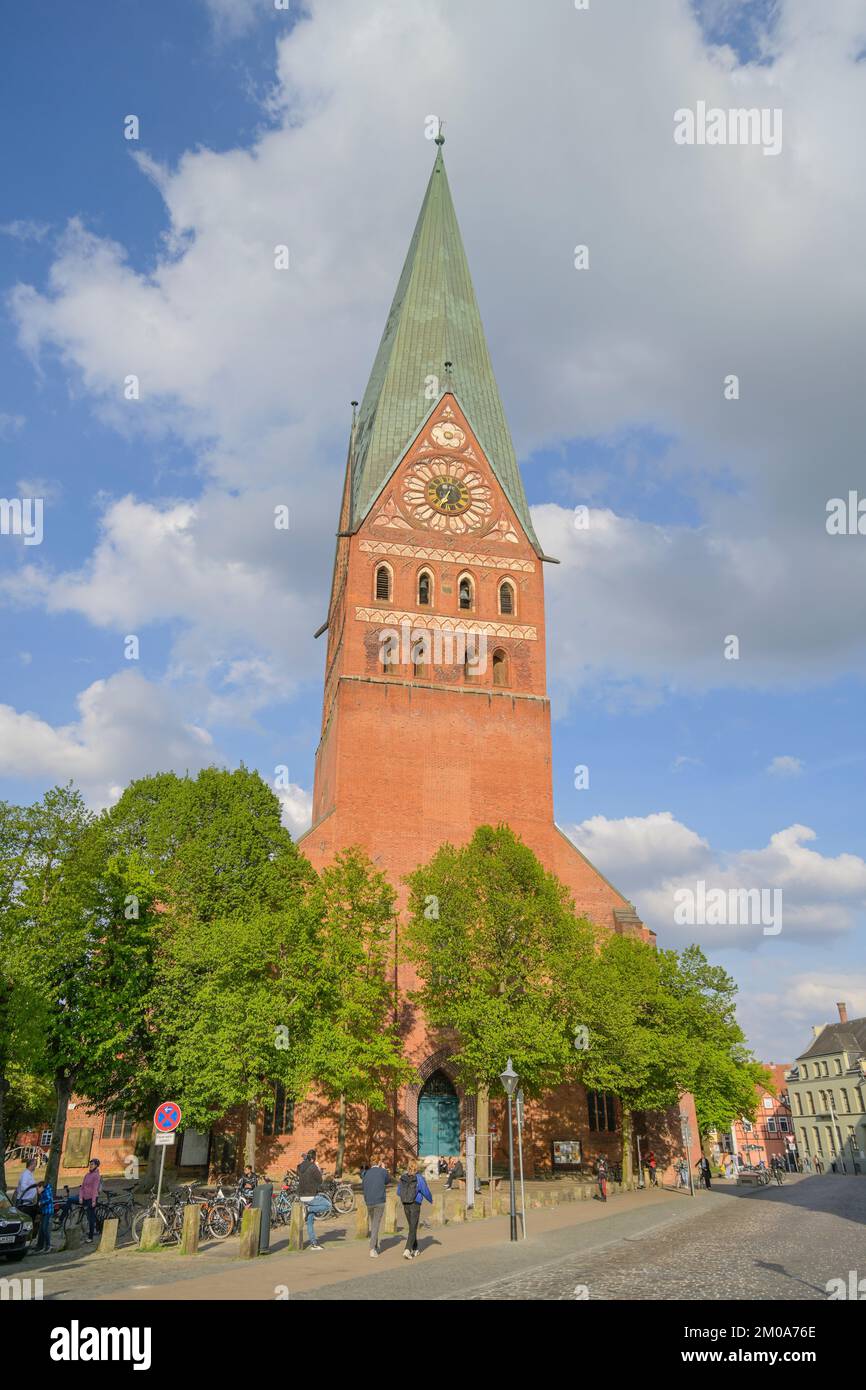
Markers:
{"x": 167, "y": 1117}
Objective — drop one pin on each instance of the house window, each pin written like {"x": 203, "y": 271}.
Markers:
{"x": 798, "y": 1099}
{"x": 383, "y": 582}
{"x": 768, "y": 1102}
{"x": 45, "y": 1138}
{"x": 500, "y": 668}
{"x": 465, "y": 592}
{"x": 846, "y": 1104}
{"x": 506, "y": 597}
{"x": 118, "y": 1126}
{"x": 805, "y": 1071}
{"x": 425, "y": 589}
{"x": 771, "y": 1125}
{"x": 810, "y": 1103}
{"x": 602, "y": 1110}
{"x": 279, "y": 1118}
{"x": 785, "y": 1125}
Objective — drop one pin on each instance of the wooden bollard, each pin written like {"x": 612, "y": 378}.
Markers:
{"x": 251, "y": 1225}
{"x": 191, "y": 1228}
{"x": 108, "y": 1239}
{"x": 362, "y": 1221}
{"x": 437, "y": 1215}
{"x": 297, "y": 1223}
{"x": 389, "y": 1217}
{"x": 151, "y": 1233}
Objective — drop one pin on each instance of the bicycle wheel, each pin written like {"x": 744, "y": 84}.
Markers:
{"x": 220, "y": 1222}
{"x": 344, "y": 1199}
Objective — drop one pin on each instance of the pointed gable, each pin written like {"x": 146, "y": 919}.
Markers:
{"x": 434, "y": 319}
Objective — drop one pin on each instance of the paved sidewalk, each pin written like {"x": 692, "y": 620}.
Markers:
{"x": 455, "y": 1256}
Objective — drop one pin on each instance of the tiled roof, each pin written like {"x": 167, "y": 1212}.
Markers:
{"x": 847, "y": 1037}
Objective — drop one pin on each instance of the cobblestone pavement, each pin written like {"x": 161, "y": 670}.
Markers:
{"x": 773, "y": 1243}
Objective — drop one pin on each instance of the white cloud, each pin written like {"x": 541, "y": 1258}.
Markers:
{"x": 10, "y": 425}
{"x": 785, "y": 766}
{"x": 297, "y": 809}
{"x": 255, "y": 367}
{"x": 127, "y": 727}
{"x": 649, "y": 858}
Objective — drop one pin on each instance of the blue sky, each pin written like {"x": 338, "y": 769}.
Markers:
{"x": 149, "y": 256}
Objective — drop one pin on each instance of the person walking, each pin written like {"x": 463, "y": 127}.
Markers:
{"x": 374, "y": 1181}
{"x": 703, "y": 1164}
{"x": 412, "y": 1190}
{"x": 651, "y": 1164}
{"x": 819, "y": 1165}
{"x": 88, "y": 1194}
{"x": 807, "y": 1163}
{"x": 314, "y": 1203}
{"x": 601, "y": 1177}
{"x": 26, "y": 1197}
{"x": 46, "y": 1216}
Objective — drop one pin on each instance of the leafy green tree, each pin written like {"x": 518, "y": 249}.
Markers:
{"x": 500, "y": 956}
{"x": 725, "y": 1073}
{"x": 638, "y": 1046}
{"x": 358, "y": 1056}
{"x": 83, "y": 916}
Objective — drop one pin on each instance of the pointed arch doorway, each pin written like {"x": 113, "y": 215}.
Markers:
{"x": 438, "y": 1117}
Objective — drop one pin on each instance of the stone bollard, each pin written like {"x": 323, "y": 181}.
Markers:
{"x": 151, "y": 1233}
{"x": 437, "y": 1213}
{"x": 108, "y": 1239}
{"x": 389, "y": 1217}
{"x": 455, "y": 1211}
{"x": 74, "y": 1236}
{"x": 490, "y": 1200}
{"x": 191, "y": 1229}
{"x": 251, "y": 1225}
{"x": 297, "y": 1221}
{"x": 362, "y": 1222}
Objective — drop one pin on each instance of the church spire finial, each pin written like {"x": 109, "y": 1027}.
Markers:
{"x": 440, "y": 138}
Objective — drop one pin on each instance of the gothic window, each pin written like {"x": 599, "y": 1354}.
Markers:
{"x": 602, "y": 1110}
{"x": 465, "y": 592}
{"x": 506, "y": 597}
{"x": 383, "y": 582}
{"x": 425, "y": 589}
{"x": 279, "y": 1116}
{"x": 420, "y": 657}
{"x": 500, "y": 668}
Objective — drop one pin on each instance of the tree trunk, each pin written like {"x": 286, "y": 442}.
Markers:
{"x": 63, "y": 1092}
{"x": 627, "y": 1131}
{"x": 252, "y": 1134}
{"x": 341, "y": 1138}
{"x": 482, "y": 1129}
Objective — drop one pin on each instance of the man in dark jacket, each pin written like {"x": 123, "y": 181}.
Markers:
{"x": 373, "y": 1185}
{"x": 314, "y": 1203}
{"x": 455, "y": 1172}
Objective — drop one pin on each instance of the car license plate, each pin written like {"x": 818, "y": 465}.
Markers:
{"x": 7, "y": 1240}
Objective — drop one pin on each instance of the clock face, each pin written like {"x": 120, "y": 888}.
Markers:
{"x": 446, "y": 495}
{"x": 450, "y": 496}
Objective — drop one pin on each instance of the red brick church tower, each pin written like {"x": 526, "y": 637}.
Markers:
{"x": 436, "y": 717}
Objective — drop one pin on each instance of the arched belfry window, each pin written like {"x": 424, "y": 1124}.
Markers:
{"x": 500, "y": 668}
{"x": 425, "y": 589}
{"x": 383, "y": 582}
{"x": 466, "y": 592}
{"x": 506, "y": 597}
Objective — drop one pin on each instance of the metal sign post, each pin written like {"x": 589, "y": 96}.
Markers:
{"x": 639, "y": 1163}
{"x": 687, "y": 1139}
{"x": 520, "y": 1152}
{"x": 166, "y": 1119}
{"x": 470, "y": 1168}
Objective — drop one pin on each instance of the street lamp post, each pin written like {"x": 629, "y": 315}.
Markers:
{"x": 509, "y": 1080}
{"x": 840, "y": 1147}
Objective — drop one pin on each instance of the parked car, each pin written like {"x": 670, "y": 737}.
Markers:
{"x": 15, "y": 1230}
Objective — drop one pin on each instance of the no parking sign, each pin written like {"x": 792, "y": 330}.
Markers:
{"x": 167, "y": 1116}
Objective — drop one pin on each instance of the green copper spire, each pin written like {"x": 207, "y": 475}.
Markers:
{"x": 434, "y": 319}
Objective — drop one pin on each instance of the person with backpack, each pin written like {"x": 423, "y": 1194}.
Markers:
{"x": 313, "y": 1201}
{"x": 601, "y": 1177}
{"x": 412, "y": 1190}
